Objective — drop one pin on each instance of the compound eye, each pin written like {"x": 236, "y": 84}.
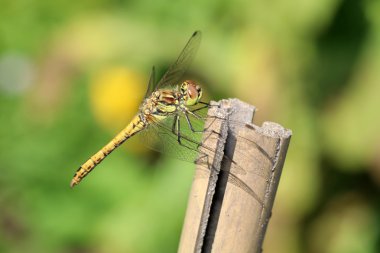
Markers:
{"x": 183, "y": 88}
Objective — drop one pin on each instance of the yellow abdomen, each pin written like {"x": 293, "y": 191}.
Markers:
{"x": 134, "y": 127}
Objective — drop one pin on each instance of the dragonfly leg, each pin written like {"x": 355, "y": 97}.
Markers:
{"x": 203, "y": 103}
{"x": 203, "y": 159}
{"x": 176, "y": 130}
{"x": 193, "y": 114}
{"x": 190, "y": 125}
{"x": 202, "y": 107}
{"x": 176, "y": 127}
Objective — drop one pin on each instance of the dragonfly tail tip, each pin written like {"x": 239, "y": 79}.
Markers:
{"x": 73, "y": 183}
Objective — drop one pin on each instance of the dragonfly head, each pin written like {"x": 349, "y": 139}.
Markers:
{"x": 191, "y": 92}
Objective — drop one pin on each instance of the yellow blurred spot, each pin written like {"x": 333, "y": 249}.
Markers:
{"x": 115, "y": 96}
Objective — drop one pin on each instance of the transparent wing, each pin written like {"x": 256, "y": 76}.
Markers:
{"x": 162, "y": 136}
{"x": 176, "y": 71}
{"x": 181, "y": 137}
{"x": 174, "y": 136}
{"x": 152, "y": 82}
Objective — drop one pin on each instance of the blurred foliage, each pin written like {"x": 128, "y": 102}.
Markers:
{"x": 73, "y": 73}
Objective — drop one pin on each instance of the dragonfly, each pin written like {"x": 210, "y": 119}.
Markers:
{"x": 163, "y": 100}
{"x": 171, "y": 119}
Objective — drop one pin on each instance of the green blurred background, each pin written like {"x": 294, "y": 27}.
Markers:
{"x": 72, "y": 74}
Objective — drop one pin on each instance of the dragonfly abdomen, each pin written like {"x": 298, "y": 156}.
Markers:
{"x": 136, "y": 125}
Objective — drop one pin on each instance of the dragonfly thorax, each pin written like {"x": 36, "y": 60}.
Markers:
{"x": 160, "y": 104}
{"x": 191, "y": 93}
{"x": 164, "y": 102}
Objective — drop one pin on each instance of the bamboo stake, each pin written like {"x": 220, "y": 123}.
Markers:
{"x": 228, "y": 211}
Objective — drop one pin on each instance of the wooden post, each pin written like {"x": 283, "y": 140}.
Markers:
{"x": 230, "y": 204}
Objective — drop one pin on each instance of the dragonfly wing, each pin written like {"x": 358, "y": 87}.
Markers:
{"x": 180, "y": 136}
{"x": 159, "y": 136}
{"x": 162, "y": 136}
{"x": 152, "y": 82}
{"x": 176, "y": 71}
{"x": 201, "y": 111}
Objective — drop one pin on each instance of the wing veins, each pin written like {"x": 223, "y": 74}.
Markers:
{"x": 176, "y": 71}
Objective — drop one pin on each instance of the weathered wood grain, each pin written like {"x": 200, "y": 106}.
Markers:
{"x": 228, "y": 211}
